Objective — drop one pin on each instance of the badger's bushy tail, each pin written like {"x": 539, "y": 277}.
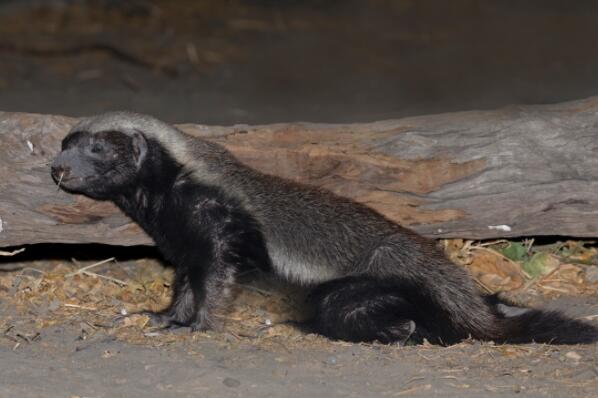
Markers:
{"x": 491, "y": 318}
{"x": 503, "y": 322}
{"x": 549, "y": 327}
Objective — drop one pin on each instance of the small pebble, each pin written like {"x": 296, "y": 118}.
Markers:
{"x": 555, "y": 354}
{"x": 54, "y": 305}
{"x": 572, "y": 355}
{"x": 331, "y": 360}
{"x": 230, "y": 382}
{"x": 592, "y": 274}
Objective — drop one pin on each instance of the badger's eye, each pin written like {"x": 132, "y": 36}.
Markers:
{"x": 97, "y": 148}
{"x": 71, "y": 139}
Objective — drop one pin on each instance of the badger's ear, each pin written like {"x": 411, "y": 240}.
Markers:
{"x": 139, "y": 147}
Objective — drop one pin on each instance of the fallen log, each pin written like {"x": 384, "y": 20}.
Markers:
{"x": 517, "y": 171}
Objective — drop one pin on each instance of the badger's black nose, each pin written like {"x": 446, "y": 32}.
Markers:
{"x": 59, "y": 172}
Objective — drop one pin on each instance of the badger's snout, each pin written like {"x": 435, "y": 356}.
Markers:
{"x": 65, "y": 170}
{"x": 60, "y": 169}
{"x": 74, "y": 172}
{"x": 60, "y": 172}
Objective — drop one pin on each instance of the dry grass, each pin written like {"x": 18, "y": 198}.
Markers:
{"x": 47, "y": 293}
{"x": 92, "y": 295}
{"x": 563, "y": 267}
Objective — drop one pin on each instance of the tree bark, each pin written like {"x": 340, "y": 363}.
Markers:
{"x": 517, "y": 171}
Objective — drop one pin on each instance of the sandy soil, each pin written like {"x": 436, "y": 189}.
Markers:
{"x": 59, "y": 364}
{"x": 61, "y": 336}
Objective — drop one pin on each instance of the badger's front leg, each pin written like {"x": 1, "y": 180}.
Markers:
{"x": 198, "y": 296}
{"x": 225, "y": 241}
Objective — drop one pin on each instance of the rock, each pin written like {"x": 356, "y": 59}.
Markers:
{"x": 573, "y": 356}
{"x": 591, "y": 274}
{"x": 230, "y": 382}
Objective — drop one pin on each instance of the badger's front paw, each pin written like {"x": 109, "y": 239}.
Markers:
{"x": 167, "y": 321}
{"x": 159, "y": 319}
{"x": 204, "y": 321}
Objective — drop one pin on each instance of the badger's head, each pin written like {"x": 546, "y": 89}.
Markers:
{"x": 101, "y": 156}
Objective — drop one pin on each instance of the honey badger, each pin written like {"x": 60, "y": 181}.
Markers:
{"x": 213, "y": 217}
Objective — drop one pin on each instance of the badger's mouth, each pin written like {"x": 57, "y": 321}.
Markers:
{"x": 69, "y": 183}
{"x": 65, "y": 180}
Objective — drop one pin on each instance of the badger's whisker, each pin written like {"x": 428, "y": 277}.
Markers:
{"x": 60, "y": 180}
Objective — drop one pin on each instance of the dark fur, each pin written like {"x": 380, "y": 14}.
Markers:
{"x": 212, "y": 217}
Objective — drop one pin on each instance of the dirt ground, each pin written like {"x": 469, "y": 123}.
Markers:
{"x": 230, "y": 62}
{"x": 59, "y": 364}
{"x": 62, "y": 335}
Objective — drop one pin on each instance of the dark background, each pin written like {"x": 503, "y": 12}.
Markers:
{"x": 226, "y": 62}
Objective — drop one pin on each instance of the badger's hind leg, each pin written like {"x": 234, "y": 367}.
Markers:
{"x": 364, "y": 309}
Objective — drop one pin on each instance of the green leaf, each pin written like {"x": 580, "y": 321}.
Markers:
{"x": 539, "y": 264}
{"x": 515, "y": 251}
